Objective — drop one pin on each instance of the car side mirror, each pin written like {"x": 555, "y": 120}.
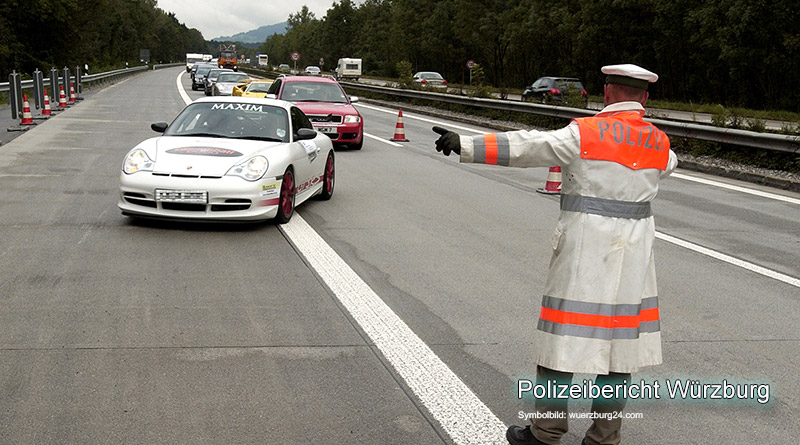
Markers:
{"x": 159, "y": 127}
{"x": 305, "y": 133}
{"x": 353, "y": 99}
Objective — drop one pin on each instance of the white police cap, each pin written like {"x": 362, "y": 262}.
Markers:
{"x": 629, "y": 74}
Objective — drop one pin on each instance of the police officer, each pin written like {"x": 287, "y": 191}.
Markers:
{"x": 599, "y": 313}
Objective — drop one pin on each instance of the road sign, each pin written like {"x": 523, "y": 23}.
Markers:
{"x": 470, "y": 64}
{"x": 295, "y": 56}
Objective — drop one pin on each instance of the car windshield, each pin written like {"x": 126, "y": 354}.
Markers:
{"x": 569, "y": 84}
{"x": 430, "y": 76}
{"x": 258, "y": 87}
{"x": 213, "y": 74}
{"x": 313, "y": 92}
{"x": 231, "y": 77}
{"x": 232, "y": 120}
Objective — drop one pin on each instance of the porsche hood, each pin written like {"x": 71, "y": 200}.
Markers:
{"x": 202, "y": 156}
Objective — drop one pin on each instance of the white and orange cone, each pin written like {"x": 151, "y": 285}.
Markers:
{"x": 62, "y": 98}
{"x": 27, "y": 119}
{"x": 46, "y": 111}
{"x": 399, "y": 129}
{"x": 71, "y": 94}
{"x": 553, "y": 184}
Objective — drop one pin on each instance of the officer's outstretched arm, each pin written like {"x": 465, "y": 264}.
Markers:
{"x": 448, "y": 141}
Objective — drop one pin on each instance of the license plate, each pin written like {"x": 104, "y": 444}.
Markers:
{"x": 194, "y": 196}
{"x": 327, "y": 130}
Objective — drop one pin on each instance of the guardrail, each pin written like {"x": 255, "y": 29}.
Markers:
{"x": 86, "y": 78}
{"x": 768, "y": 141}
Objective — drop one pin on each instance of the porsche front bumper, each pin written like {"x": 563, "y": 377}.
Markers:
{"x": 228, "y": 198}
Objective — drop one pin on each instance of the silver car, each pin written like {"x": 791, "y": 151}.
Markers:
{"x": 211, "y": 77}
{"x": 225, "y": 83}
{"x": 228, "y": 159}
{"x": 430, "y": 79}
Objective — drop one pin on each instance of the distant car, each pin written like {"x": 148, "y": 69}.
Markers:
{"x": 225, "y": 83}
{"x": 326, "y": 104}
{"x": 430, "y": 79}
{"x": 199, "y": 76}
{"x": 228, "y": 159}
{"x": 312, "y": 71}
{"x": 284, "y": 68}
{"x": 211, "y": 77}
{"x": 257, "y": 88}
{"x": 553, "y": 89}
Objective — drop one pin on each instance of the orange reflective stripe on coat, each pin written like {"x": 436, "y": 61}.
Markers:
{"x": 492, "y": 149}
{"x": 624, "y": 138}
{"x": 598, "y": 320}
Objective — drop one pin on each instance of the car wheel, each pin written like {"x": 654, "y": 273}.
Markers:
{"x": 328, "y": 179}
{"x": 194, "y": 88}
{"x": 286, "y": 201}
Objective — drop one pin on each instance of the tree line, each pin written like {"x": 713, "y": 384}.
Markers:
{"x": 104, "y": 34}
{"x": 733, "y": 52}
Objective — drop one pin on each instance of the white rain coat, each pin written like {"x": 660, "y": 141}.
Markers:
{"x": 600, "y": 307}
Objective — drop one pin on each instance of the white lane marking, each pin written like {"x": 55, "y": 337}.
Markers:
{"x": 729, "y": 259}
{"x": 424, "y": 119}
{"x": 385, "y": 141}
{"x": 737, "y": 188}
{"x": 457, "y": 409}
{"x": 184, "y": 96}
{"x": 29, "y": 175}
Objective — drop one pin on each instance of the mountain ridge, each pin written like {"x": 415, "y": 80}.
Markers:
{"x": 258, "y": 35}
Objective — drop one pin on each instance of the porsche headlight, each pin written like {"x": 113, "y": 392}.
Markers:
{"x": 136, "y": 161}
{"x": 252, "y": 169}
{"x": 352, "y": 118}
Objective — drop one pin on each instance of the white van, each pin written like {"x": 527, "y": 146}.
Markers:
{"x": 348, "y": 69}
{"x": 191, "y": 59}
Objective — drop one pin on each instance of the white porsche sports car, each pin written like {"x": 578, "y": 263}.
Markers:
{"x": 228, "y": 158}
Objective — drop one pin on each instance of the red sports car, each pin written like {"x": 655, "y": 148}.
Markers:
{"x": 329, "y": 108}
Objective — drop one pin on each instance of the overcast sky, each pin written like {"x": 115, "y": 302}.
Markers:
{"x": 216, "y": 18}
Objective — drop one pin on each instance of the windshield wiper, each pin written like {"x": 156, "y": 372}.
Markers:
{"x": 259, "y": 138}
{"x": 202, "y": 135}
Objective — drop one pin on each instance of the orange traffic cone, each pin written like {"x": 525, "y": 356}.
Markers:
{"x": 553, "y": 184}
{"x": 27, "y": 119}
{"x": 71, "y": 94}
{"x": 62, "y": 99}
{"x": 46, "y": 111}
{"x": 399, "y": 130}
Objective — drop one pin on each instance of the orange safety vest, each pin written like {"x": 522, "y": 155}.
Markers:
{"x": 625, "y": 138}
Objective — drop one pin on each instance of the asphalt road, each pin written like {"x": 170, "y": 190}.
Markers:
{"x": 117, "y": 331}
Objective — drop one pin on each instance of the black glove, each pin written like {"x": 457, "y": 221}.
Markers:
{"x": 448, "y": 141}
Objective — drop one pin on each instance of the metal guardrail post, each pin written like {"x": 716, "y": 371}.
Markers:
{"x": 78, "y": 82}
{"x": 54, "y": 83}
{"x": 14, "y": 94}
{"x": 38, "y": 89}
{"x": 65, "y": 81}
